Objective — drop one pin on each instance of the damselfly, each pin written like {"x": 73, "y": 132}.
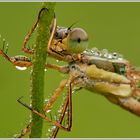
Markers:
{"x": 96, "y": 70}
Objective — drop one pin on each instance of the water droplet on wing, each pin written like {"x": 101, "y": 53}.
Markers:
{"x": 109, "y": 56}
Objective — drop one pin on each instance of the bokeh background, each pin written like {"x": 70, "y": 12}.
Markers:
{"x": 114, "y": 26}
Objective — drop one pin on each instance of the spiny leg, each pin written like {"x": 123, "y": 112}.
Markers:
{"x": 19, "y": 60}
{"x": 5, "y": 55}
{"x": 41, "y": 115}
{"x": 55, "y": 95}
{"x": 25, "y": 131}
{"x": 70, "y": 107}
{"x": 62, "y": 115}
{"x": 48, "y": 119}
{"x": 12, "y": 60}
{"x": 62, "y": 69}
{"x": 4, "y": 50}
{"x": 67, "y": 105}
{"x": 24, "y": 48}
{"x": 48, "y": 106}
{"x": 23, "y": 61}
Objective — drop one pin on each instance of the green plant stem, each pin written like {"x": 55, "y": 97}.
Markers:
{"x": 39, "y": 59}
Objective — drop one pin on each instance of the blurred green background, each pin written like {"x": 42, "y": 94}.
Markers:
{"x": 114, "y": 26}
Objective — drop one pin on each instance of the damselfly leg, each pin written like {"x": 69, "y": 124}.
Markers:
{"x": 68, "y": 104}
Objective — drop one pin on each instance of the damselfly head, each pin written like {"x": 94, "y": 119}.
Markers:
{"x": 61, "y": 32}
{"x": 77, "y": 40}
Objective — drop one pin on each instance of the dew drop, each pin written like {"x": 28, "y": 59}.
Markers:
{"x": 55, "y": 117}
{"x": 96, "y": 53}
{"x": 60, "y": 110}
{"x": 7, "y": 45}
{"x": 46, "y": 101}
{"x": 57, "y": 61}
{"x": 34, "y": 45}
{"x": 105, "y": 53}
{"x": 73, "y": 91}
{"x": 94, "y": 50}
{"x": 110, "y": 56}
{"x": 31, "y": 71}
{"x": 50, "y": 130}
{"x": 48, "y": 135}
{"x": 48, "y": 111}
{"x": 120, "y": 57}
{"x": 21, "y": 68}
{"x": 114, "y": 55}
{"x": 15, "y": 135}
{"x": 30, "y": 118}
{"x": 53, "y": 127}
{"x": 59, "y": 115}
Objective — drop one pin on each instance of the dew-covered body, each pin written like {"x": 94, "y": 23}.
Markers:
{"x": 110, "y": 78}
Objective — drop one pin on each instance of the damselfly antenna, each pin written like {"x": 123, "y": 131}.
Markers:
{"x": 69, "y": 28}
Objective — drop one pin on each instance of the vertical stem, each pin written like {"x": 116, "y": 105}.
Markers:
{"x": 39, "y": 59}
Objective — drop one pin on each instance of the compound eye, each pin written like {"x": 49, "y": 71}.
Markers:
{"x": 77, "y": 40}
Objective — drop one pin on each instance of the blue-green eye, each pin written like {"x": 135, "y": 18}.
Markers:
{"x": 77, "y": 40}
